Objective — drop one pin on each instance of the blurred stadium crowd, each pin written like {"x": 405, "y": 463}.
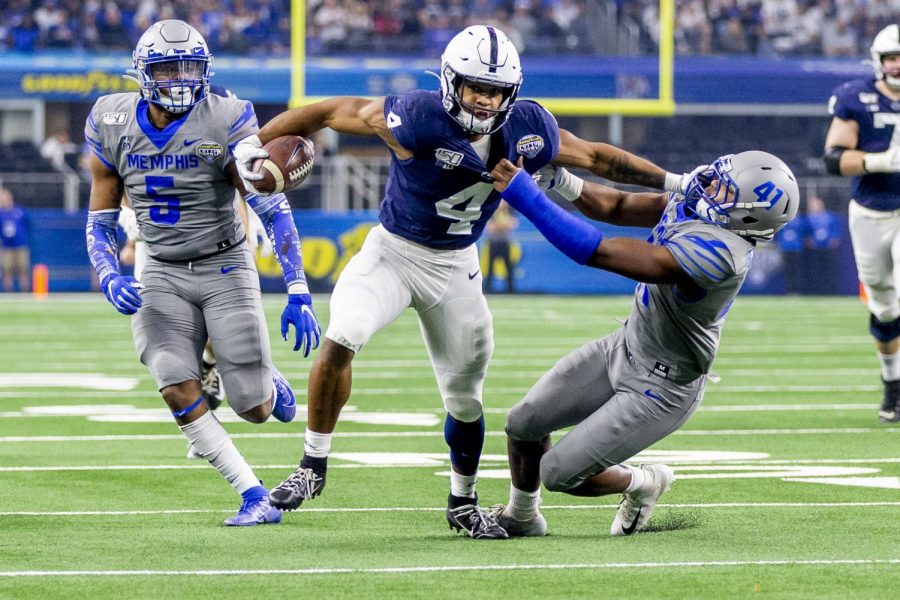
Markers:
{"x": 760, "y": 27}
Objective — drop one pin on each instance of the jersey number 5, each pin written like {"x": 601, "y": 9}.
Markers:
{"x": 167, "y": 211}
{"x": 464, "y": 207}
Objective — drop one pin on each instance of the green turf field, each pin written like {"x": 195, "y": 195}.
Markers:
{"x": 787, "y": 485}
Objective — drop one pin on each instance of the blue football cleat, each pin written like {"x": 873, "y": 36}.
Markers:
{"x": 284, "y": 405}
{"x": 254, "y": 511}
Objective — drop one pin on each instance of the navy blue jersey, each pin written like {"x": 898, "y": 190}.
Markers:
{"x": 442, "y": 197}
{"x": 878, "y": 117}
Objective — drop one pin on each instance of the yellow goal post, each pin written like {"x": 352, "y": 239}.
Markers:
{"x": 663, "y": 105}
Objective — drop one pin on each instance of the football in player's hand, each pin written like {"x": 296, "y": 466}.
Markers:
{"x": 289, "y": 163}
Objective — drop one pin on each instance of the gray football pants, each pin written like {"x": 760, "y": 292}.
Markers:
{"x": 218, "y": 297}
{"x": 617, "y": 408}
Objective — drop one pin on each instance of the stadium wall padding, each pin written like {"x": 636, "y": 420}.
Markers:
{"x": 70, "y": 77}
{"x": 330, "y": 240}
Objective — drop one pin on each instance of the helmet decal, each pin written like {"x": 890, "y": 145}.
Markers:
{"x": 751, "y": 193}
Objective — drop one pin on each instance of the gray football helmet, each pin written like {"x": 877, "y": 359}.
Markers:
{"x": 171, "y": 64}
{"x": 753, "y": 194}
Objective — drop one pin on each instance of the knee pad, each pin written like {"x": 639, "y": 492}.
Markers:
{"x": 522, "y": 423}
{"x": 884, "y": 331}
{"x": 464, "y": 408}
{"x": 882, "y": 301}
{"x": 352, "y": 331}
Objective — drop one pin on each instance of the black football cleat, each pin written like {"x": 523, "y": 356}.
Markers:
{"x": 304, "y": 484}
{"x": 889, "y": 412}
{"x": 211, "y": 385}
{"x": 478, "y": 523}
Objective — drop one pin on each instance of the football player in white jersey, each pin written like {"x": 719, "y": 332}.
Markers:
{"x": 863, "y": 143}
{"x": 628, "y": 390}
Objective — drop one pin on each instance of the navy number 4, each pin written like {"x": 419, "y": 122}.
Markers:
{"x": 168, "y": 209}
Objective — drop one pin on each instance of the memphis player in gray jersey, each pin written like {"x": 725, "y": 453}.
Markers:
{"x": 628, "y": 390}
{"x": 168, "y": 148}
{"x": 438, "y": 199}
{"x": 863, "y": 143}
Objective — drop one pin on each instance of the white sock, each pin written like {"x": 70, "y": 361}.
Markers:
{"x": 890, "y": 366}
{"x": 317, "y": 444}
{"x": 523, "y": 505}
{"x": 462, "y": 486}
{"x": 208, "y": 357}
{"x": 211, "y": 440}
{"x": 638, "y": 479}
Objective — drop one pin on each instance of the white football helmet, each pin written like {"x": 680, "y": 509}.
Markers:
{"x": 480, "y": 55}
{"x": 171, "y": 64}
{"x": 887, "y": 42}
{"x": 754, "y": 195}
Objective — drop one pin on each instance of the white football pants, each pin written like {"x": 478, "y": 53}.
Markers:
{"x": 876, "y": 247}
{"x": 391, "y": 274}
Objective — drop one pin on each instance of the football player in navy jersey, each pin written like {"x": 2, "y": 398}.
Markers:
{"x": 863, "y": 143}
{"x": 423, "y": 255}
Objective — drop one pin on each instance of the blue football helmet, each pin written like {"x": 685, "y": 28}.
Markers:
{"x": 753, "y": 194}
{"x": 172, "y": 65}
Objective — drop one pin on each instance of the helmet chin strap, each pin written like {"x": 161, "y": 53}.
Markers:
{"x": 892, "y": 82}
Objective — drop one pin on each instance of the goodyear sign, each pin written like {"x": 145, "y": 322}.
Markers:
{"x": 84, "y": 85}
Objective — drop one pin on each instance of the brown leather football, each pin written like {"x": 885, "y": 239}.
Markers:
{"x": 289, "y": 163}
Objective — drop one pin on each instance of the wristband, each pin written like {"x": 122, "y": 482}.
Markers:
{"x": 673, "y": 183}
{"x": 569, "y": 186}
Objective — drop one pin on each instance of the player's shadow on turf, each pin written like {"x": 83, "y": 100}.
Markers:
{"x": 673, "y": 522}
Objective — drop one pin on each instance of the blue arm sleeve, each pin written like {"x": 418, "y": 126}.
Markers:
{"x": 571, "y": 236}
{"x": 102, "y": 242}
{"x": 275, "y": 214}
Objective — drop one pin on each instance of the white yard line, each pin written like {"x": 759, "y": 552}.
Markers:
{"x": 412, "y": 434}
{"x": 374, "y": 509}
{"x": 453, "y": 568}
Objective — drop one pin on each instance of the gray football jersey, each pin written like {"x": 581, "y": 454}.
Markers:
{"x": 175, "y": 178}
{"x": 677, "y": 336}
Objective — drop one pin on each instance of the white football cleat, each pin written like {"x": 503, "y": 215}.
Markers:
{"x": 536, "y": 526}
{"x": 635, "y": 508}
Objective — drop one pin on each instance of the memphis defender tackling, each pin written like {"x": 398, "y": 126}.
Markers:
{"x": 169, "y": 149}
{"x": 630, "y": 389}
{"x": 437, "y": 202}
{"x": 863, "y": 143}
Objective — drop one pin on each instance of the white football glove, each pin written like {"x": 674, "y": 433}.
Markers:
{"x": 882, "y": 162}
{"x": 678, "y": 184}
{"x": 246, "y": 151}
{"x": 558, "y": 179}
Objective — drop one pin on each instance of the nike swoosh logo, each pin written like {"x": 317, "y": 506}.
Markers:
{"x": 473, "y": 275}
{"x": 191, "y": 142}
{"x": 630, "y": 529}
{"x": 226, "y": 270}
{"x": 650, "y": 394}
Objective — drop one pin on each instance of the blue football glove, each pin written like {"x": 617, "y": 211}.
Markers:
{"x": 299, "y": 313}
{"x": 123, "y": 293}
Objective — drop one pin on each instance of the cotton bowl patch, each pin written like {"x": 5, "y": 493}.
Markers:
{"x": 210, "y": 151}
{"x": 530, "y": 145}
